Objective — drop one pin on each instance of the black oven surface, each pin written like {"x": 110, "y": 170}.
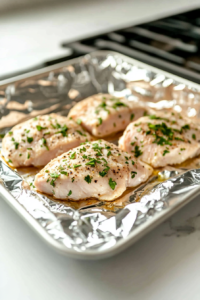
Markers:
{"x": 171, "y": 44}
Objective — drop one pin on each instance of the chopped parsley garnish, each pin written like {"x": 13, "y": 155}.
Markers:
{"x": 31, "y": 184}
{"x": 20, "y": 154}
{"x": 79, "y": 121}
{"x": 98, "y": 153}
{"x": 85, "y": 142}
{"x": 88, "y": 179}
{"x": 63, "y": 130}
{"x": 69, "y": 194}
{"x": 35, "y": 119}
{"x": 161, "y": 141}
{"x": 44, "y": 142}
{"x": 182, "y": 149}
{"x": 16, "y": 145}
{"x": 133, "y": 162}
{"x": 58, "y": 125}
{"x": 139, "y": 129}
{"x": 73, "y": 179}
{"x": 29, "y": 139}
{"x": 13, "y": 139}
{"x": 76, "y": 166}
{"x": 52, "y": 182}
{"x": 176, "y": 130}
{"x": 100, "y": 121}
{"x": 47, "y": 133}
{"x": 10, "y": 161}
{"x": 2, "y": 135}
{"x": 163, "y": 128}
{"x": 194, "y": 137}
{"x": 118, "y": 104}
{"x": 104, "y": 172}
{"x": 47, "y": 171}
{"x": 104, "y": 160}
{"x": 165, "y": 152}
{"x": 82, "y": 149}
{"x": 64, "y": 173}
{"x": 133, "y": 173}
{"x": 92, "y": 162}
{"x": 114, "y": 124}
{"x": 137, "y": 124}
{"x": 73, "y": 155}
{"x": 39, "y": 128}
{"x": 178, "y": 139}
{"x": 109, "y": 153}
{"x": 29, "y": 149}
{"x": 132, "y": 143}
{"x": 107, "y": 147}
{"x": 96, "y": 147}
{"x": 137, "y": 151}
{"x": 131, "y": 117}
{"x": 107, "y": 110}
{"x": 54, "y": 126}
{"x": 112, "y": 183}
{"x": 103, "y": 104}
{"x": 185, "y": 127}
{"x": 81, "y": 133}
{"x": 54, "y": 175}
{"x": 10, "y": 132}
{"x": 85, "y": 156}
{"x": 154, "y": 117}
{"x": 28, "y": 155}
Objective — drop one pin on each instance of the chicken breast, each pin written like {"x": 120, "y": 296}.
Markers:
{"x": 161, "y": 140}
{"x": 96, "y": 169}
{"x": 37, "y": 141}
{"x": 103, "y": 115}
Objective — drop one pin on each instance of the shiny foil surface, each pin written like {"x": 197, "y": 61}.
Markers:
{"x": 91, "y": 226}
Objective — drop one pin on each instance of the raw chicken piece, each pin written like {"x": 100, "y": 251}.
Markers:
{"x": 103, "y": 115}
{"x": 37, "y": 141}
{"x": 98, "y": 169}
{"x": 161, "y": 140}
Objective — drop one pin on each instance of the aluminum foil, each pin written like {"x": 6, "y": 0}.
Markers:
{"x": 93, "y": 225}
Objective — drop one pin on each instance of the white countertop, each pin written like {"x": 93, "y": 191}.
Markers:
{"x": 162, "y": 265}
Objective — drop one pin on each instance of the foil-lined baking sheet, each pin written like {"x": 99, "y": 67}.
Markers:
{"x": 91, "y": 228}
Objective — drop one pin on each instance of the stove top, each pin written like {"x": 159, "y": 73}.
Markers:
{"x": 171, "y": 44}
